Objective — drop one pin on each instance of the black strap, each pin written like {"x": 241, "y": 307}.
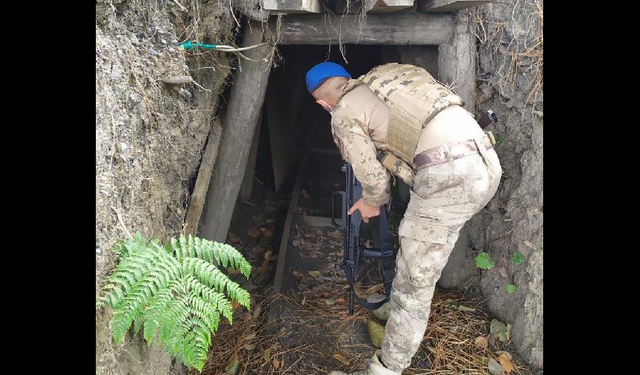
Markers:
{"x": 386, "y": 254}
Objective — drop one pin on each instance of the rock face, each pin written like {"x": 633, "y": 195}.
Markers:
{"x": 149, "y": 139}
{"x": 509, "y": 82}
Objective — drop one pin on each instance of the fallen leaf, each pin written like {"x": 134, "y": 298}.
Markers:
{"x": 376, "y": 332}
{"x": 257, "y": 311}
{"x": 269, "y": 256}
{"x": 253, "y": 232}
{"x": 250, "y": 337}
{"x": 505, "y": 361}
{"x": 266, "y": 355}
{"x": 257, "y": 217}
{"x": 342, "y": 359}
{"x": 329, "y": 301}
{"x": 502, "y": 271}
{"x": 269, "y": 221}
{"x": 233, "y": 237}
{"x": 304, "y": 300}
{"x": 500, "y": 330}
{"x": 249, "y": 346}
{"x": 340, "y": 300}
{"x": 481, "y": 342}
{"x": 276, "y": 363}
{"x": 269, "y": 209}
{"x": 234, "y": 304}
{"x": 314, "y": 273}
{"x": 262, "y": 269}
{"x": 298, "y": 274}
{"x": 304, "y": 193}
{"x": 494, "y": 367}
{"x": 266, "y": 231}
{"x": 233, "y": 368}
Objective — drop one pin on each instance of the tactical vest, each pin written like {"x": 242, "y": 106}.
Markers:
{"x": 414, "y": 97}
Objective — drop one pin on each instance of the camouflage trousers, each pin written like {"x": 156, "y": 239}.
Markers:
{"x": 444, "y": 196}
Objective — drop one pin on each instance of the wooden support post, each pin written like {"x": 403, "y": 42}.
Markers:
{"x": 201, "y": 187}
{"x": 247, "y": 181}
{"x": 457, "y": 62}
{"x": 293, "y": 6}
{"x": 245, "y": 102}
{"x": 448, "y": 5}
{"x": 410, "y": 28}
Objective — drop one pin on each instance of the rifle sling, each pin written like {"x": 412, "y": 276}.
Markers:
{"x": 386, "y": 253}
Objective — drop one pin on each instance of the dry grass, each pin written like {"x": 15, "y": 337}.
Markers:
{"x": 312, "y": 337}
{"x": 509, "y": 56}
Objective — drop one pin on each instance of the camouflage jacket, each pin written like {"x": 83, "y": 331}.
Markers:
{"x": 386, "y": 109}
{"x": 359, "y": 127}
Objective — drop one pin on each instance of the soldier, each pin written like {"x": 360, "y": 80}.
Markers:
{"x": 398, "y": 120}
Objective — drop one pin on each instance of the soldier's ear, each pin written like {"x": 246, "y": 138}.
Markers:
{"x": 324, "y": 105}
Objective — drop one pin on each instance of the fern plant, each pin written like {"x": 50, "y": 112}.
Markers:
{"x": 174, "y": 292}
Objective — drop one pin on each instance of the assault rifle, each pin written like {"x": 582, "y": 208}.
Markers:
{"x": 354, "y": 252}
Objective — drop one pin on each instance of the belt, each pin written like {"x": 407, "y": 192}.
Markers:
{"x": 446, "y": 152}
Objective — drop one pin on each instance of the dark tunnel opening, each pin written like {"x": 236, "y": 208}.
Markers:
{"x": 292, "y": 123}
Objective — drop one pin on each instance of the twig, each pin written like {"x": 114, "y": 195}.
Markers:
{"x": 180, "y": 5}
{"x": 234, "y": 16}
{"x": 122, "y": 222}
{"x": 200, "y": 86}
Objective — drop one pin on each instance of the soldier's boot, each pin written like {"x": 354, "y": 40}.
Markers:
{"x": 382, "y": 312}
{"x": 375, "y": 368}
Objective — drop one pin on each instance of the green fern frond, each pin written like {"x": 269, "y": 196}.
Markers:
{"x": 175, "y": 292}
{"x": 212, "y": 277}
{"x": 218, "y": 300}
{"x": 211, "y": 252}
{"x": 157, "y": 307}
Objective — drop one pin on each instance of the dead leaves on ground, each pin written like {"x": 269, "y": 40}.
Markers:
{"x": 253, "y": 232}
{"x": 342, "y": 359}
{"x": 233, "y": 237}
{"x": 505, "y": 361}
{"x": 481, "y": 342}
{"x": 304, "y": 194}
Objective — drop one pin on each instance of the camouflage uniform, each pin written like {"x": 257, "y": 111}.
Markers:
{"x": 444, "y": 196}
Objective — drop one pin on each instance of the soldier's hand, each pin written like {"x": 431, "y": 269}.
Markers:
{"x": 366, "y": 211}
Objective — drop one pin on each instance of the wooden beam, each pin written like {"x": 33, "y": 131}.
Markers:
{"x": 286, "y": 232}
{"x": 293, "y": 6}
{"x": 380, "y": 6}
{"x": 201, "y": 187}
{"x": 433, "y": 6}
{"x": 245, "y": 102}
{"x": 457, "y": 62}
{"x": 384, "y": 6}
{"x": 410, "y": 28}
{"x": 247, "y": 181}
